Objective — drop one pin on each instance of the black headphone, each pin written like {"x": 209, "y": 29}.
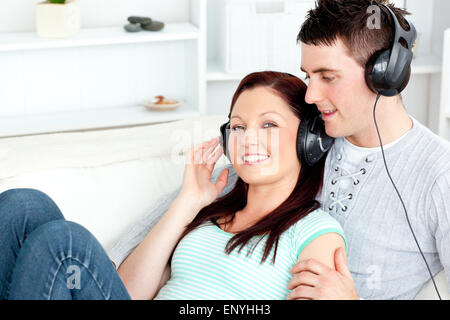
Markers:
{"x": 388, "y": 70}
{"x": 387, "y": 73}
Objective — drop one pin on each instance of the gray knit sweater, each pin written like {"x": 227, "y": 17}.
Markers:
{"x": 383, "y": 258}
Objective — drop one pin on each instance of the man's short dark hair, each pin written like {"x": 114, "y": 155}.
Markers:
{"x": 347, "y": 20}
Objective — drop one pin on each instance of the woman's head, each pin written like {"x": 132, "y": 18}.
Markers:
{"x": 265, "y": 114}
{"x": 258, "y": 93}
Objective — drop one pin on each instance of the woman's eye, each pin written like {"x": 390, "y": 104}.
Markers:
{"x": 236, "y": 128}
{"x": 270, "y": 125}
{"x": 327, "y": 78}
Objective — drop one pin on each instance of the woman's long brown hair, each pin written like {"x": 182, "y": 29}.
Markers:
{"x": 302, "y": 199}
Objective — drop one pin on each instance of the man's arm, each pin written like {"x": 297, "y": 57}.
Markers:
{"x": 126, "y": 244}
{"x": 439, "y": 222}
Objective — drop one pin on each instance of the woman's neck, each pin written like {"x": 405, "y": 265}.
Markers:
{"x": 263, "y": 199}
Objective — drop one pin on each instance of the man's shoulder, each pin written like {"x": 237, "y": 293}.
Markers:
{"x": 432, "y": 147}
{"x": 426, "y": 133}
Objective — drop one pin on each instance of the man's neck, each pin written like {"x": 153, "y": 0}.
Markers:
{"x": 393, "y": 122}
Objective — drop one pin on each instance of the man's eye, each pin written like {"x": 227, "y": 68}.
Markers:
{"x": 327, "y": 78}
{"x": 306, "y": 77}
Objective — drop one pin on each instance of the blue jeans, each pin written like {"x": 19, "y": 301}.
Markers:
{"x": 43, "y": 256}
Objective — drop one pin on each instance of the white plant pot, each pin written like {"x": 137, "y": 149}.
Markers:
{"x": 57, "y": 20}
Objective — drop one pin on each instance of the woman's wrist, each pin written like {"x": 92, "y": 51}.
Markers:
{"x": 184, "y": 207}
{"x": 188, "y": 202}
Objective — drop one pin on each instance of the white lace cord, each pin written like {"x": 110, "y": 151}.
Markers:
{"x": 349, "y": 175}
{"x": 345, "y": 176}
{"x": 339, "y": 201}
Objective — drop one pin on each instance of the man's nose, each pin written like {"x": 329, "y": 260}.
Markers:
{"x": 313, "y": 93}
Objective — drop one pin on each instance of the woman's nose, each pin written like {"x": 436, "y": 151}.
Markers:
{"x": 253, "y": 137}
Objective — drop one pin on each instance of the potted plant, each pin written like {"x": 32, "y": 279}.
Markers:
{"x": 57, "y": 18}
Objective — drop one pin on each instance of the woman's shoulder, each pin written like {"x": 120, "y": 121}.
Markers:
{"x": 315, "y": 224}
{"x": 312, "y": 226}
{"x": 317, "y": 218}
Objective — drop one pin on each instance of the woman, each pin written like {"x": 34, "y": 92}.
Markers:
{"x": 196, "y": 250}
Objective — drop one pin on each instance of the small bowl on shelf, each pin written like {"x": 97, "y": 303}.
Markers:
{"x": 159, "y": 103}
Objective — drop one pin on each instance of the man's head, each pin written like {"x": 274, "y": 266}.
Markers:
{"x": 337, "y": 40}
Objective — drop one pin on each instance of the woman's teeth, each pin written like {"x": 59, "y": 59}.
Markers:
{"x": 255, "y": 158}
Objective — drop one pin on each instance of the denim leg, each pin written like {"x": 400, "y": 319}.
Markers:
{"x": 21, "y": 212}
{"x": 62, "y": 260}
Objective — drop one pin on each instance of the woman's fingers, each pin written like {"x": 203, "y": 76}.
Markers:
{"x": 203, "y": 150}
{"x": 210, "y": 151}
{"x": 211, "y": 162}
{"x": 222, "y": 181}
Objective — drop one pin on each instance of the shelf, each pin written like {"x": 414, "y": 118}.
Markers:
{"x": 97, "y": 36}
{"x": 90, "y": 119}
{"x": 426, "y": 64}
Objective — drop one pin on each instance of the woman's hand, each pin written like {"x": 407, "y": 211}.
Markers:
{"x": 197, "y": 185}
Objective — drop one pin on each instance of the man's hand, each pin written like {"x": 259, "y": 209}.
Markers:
{"x": 314, "y": 280}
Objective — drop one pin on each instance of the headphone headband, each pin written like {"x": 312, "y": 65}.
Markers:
{"x": 400, "y": 55}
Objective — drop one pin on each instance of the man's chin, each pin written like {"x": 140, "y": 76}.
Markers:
{"x": 333, "y": 132}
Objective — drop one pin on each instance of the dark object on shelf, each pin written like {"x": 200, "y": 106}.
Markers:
{"x": 153, "y": 26}
{"x": 131, "y": 27}
{"x": 137, "y": 19}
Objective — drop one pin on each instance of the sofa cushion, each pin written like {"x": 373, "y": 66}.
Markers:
{"x": 107, "y": 179}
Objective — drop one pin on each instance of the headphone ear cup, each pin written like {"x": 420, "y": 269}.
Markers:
{"x": 312, "y": 140}
{"x": 406, "y": 81}
{"x": 375, "y": 71}
{"x": 224, "y": 135}
{"x": 302, "y": 133}
{"x": 368, "y": 72}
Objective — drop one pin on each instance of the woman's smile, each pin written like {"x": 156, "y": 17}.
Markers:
{"x": 254, "y": 159}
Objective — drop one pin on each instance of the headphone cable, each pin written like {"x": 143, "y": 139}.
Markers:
{"x": 398, "y": 193}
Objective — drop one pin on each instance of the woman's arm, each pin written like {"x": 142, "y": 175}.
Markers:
{"x": 146, "y": 267}
{"x": 141, "y": 272}
{"x": 322, "y": 249}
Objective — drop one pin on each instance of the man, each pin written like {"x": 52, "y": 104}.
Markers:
{"x": 384, "y": 261}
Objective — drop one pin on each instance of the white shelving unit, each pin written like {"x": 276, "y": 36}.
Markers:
{"x": 97, "y": 37}
{"x": 52, "y": 85}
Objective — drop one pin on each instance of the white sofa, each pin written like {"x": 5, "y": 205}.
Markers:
{"x": 107, "y": 179}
